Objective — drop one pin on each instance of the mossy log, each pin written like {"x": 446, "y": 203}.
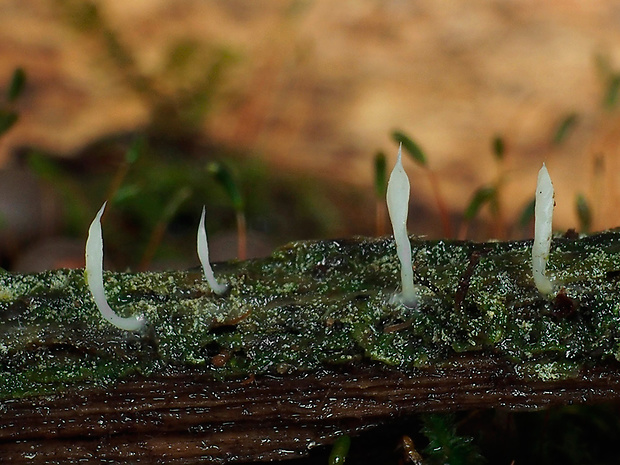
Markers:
{"x": 306, "y": 345}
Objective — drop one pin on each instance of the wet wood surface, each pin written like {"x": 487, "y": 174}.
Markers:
{"x": 187, "y": 418}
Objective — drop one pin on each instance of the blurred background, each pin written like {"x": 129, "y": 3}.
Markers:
{"x": 283, "y": 117}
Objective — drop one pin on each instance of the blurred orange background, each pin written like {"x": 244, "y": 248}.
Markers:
{"x": 314, "y": 88}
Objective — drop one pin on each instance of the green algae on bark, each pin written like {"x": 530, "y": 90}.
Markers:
{"x": 316, "y": 304}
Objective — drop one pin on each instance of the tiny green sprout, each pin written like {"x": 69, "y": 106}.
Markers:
{"x": 380, "y": 174}
{"x": 7, "y": 120}
{"x": 543, "y": 219}
{"x": 398, "y": 207}
{"x": 203, "y": 255}
{"x": 584, "y": 213}
{"x": 484, "y": 195}
{"x": 413, "y": 149}
{"x": 94, "y": 278}
{"x": 17, "y": 85}
{"x": 568, "y": 123}
{"x": 498, "y": 147}
{"x": 612, "y": 92}
{"x": 340, "y": 450}
{"x": 445, "y": 444}
{"x": 527, "y": 213}
{"x": 380, "y": 191}
{"x": 481, "y": 197}
{"x": 8, "y": 115}
{"x": 223, "y": 175}
{"x": 419, "y": 157}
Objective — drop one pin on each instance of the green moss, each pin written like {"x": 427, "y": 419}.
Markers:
{"x": 313, "y": 304}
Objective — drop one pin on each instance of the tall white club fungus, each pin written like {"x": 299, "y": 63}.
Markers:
{"x": 542, "y": 231}
{"x": 203, "y": 255}
{"x": 398, "y": 208}
{"x": 94, "y": 278}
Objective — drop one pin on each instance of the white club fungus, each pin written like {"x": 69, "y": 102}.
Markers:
{"x": 542, "y": 231}
{"x": 203, "y": 255}
{"x": 94, "y": 278}
{"x": 398, "y": 207}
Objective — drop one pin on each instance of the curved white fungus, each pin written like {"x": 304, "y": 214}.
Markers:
{"x": 203, "y": 255}
{"x": 398, "y": 206}
{"x": 542, "y": 231}
{"x": 94, "y": 278}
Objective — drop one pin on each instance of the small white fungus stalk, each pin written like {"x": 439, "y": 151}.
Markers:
{"x": 398, "y": 206}
{"x": 542, "y": 231}
{"x": 203, "y": 255}
{"x": 94, "y": 278}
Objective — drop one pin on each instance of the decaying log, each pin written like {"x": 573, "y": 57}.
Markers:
{"x": 189, "y": 418}
{"x": 304, "y": 347}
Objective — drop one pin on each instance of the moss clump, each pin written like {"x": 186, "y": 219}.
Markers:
{"x": 318, "y": 303}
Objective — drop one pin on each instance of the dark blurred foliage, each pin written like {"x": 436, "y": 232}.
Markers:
{"x": 571, "y": 435}
{"x": 151, "y": 186}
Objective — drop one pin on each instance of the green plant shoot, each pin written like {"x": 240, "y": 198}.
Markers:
{"x": 565, "y": 127}
{"x": 584, "y": 213}
{"x": 223, "y": 175}
{"x": 17, "y": 85}
{"x": 498, "y": 147}
{"x": 380, "y": 192}
{"x": 418, "y": 156}
{"x": 410, "y": 147}
{"x": 340, "y": 450}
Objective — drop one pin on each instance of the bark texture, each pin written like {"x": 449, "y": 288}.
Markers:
{"x": 305, "y": 346}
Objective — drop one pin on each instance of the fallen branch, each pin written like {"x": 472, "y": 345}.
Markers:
{"x": 304, "y": 347}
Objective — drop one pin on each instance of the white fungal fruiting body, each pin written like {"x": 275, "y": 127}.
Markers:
{"x": 542, "y": 231}
{"x": 398, "y": 207}
{"x": 94, "y": 278}
{"x": 203, "y": 255}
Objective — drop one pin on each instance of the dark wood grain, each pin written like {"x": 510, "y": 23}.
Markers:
{"x": 188, "y": 418}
